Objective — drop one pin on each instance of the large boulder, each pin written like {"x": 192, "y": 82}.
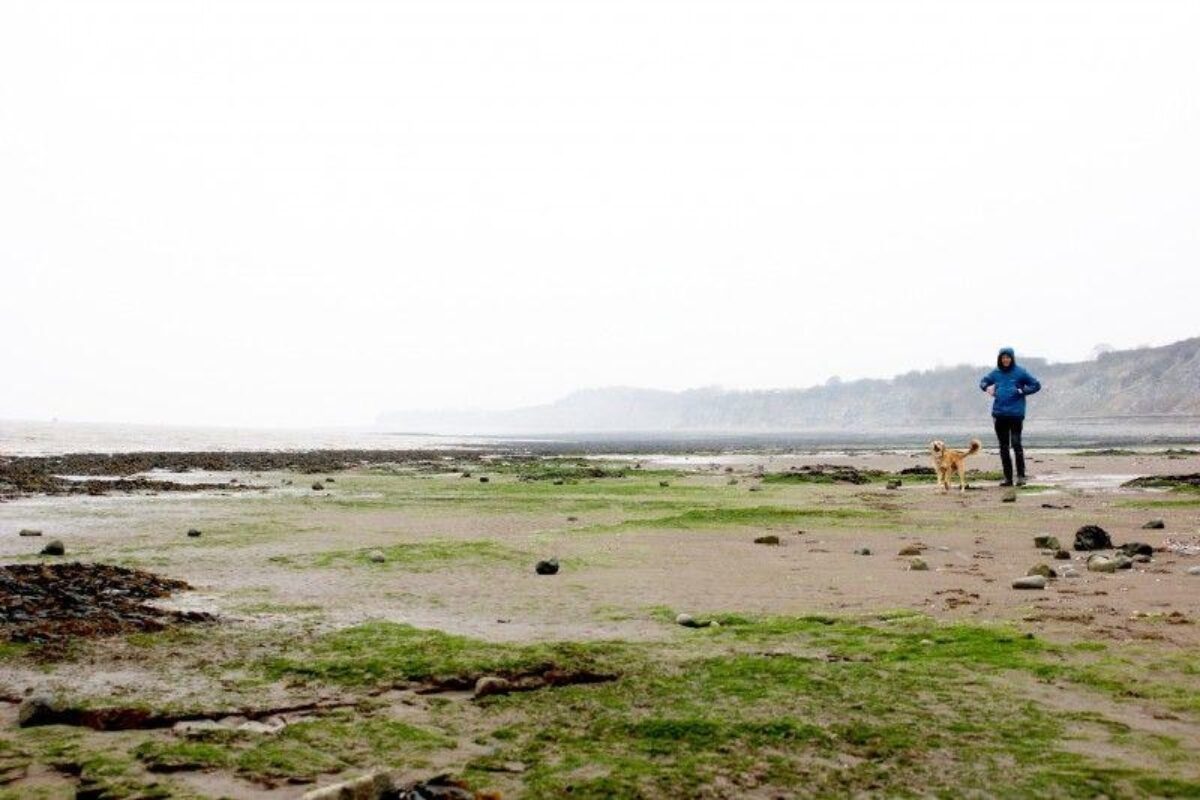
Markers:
{"x": 1092, "y": 537}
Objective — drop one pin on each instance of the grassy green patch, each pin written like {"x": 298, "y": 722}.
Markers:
{"x": 1188, "y": 503}
{"x": 417, "y": 556}
{"x": 749, "y": 515}
{"x": 384, "y": 653}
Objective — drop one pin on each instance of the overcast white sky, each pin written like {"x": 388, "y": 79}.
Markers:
{"x": 295, "y": 213}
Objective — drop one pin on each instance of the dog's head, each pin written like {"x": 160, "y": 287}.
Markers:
{"x": 937, "y": 446}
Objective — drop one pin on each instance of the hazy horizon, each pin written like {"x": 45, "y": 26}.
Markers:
{"x": 303, "y": 215}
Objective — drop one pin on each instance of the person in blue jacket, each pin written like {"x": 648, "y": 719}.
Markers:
{"x": 1009, "y": 385}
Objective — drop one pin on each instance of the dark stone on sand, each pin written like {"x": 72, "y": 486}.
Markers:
{"x": 863, "y": 551}
{"x": 193, "y": 532}
{"x": 558, "y": 481}
{"x": 492, "y": 684}
{"x": 547, "y": 567}
{"x": 1132, "y": 549}
{"x": 911, "y": 550}
{"x": 1092, "y": 537}
{"x": 483, "y": 478}
{"x": 894, "y": 484}
{"x": 1030, "y": 582}
{"x": 1043, "y": 570}
{"x": 330, "y": 480}
{"x": 466, "y": 474}
{"x": 768, "y": 539}
{"x": 1154, "y": 525}
{"x": 1046, "y": 542}
{"x": 318, "y": 487}
{"x": 1053, "y": 505}
{"x": 1063, "y": 555}
{"x": 54, "y": 547}
{"x": 29, "y": 532}
{"x": 38, "y": 710}
{"x": 572, "y": 519}
{"x": 664, "y": 484}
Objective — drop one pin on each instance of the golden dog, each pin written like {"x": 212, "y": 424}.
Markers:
{"x": 946, "y": 461}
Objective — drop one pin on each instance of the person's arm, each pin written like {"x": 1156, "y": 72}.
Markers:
{"x": 986, "y": 384}
{"x": 1030, "y": 385}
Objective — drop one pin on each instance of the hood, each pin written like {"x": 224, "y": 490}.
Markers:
{"x": 1006, "y": 351}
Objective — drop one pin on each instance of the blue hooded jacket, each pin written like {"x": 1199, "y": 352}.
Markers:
{"x": 1013, "y": 385}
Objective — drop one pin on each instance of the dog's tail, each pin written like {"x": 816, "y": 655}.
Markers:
{"x": 975, "y": 447}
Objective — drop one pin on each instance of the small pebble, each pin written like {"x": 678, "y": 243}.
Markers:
{"x": 1030, "y": 582}
{"x": 918, "y": 565}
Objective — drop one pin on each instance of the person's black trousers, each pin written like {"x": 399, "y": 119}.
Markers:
{"x": 1008, "y": 432}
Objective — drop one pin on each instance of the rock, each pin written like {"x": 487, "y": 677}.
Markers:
{"x": 572, "y": 519}
{"x": 372, "y": 786}
{"x": 918, "y": 565}
{"x": 1099, "y": 563}
{"x": 1030, "y": 582}
{"x": 1046, "y": 542}
{"x": 768, "y": 539}
{"x": 1009, "y": 496}
{"x": 318, "y": 487}
{"x": 330, "y": 480}
{"x": 686, "y": 620}
{"x": 863, "y": 551}
{"x": 558, "y": 482}
{"x": 376, "y": 557}
{"x": 547, "y": 567}
{"x": 1194, "y": 570}
{"x": 1092, "y": 537}
{"x": 1062, "y": 555}
{"x": 1142, "y": 559}
{"x": 54, "y": 547}
{"x": 1070, "y": 572}
{"x": 29, "y": 532}
{"x": 1043, "y": 570}
{"x": 731, "y": 482}
{"x": 466, "y": 474}
{"x": 664, "y": 484}
{"x": 895, "y": 483}
{"x": 1154, "y": 525}
{"x": 911, "y": 550}
{"x": 1124, "y": 562}
{"x": 193, "y": 532}
{"x": 1132, "y": 549}
{"x": 483, "y": 478}
{"x": 490, "y": 685}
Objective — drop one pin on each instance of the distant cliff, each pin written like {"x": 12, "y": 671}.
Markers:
{"x": 1158, "y": 381}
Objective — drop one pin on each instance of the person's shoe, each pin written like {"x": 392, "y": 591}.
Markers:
{"x": 1021, "y": 481}
{"x": 1005, "y": 484}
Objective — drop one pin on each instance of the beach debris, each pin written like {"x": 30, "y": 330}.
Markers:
{"x": 1044, "y": 570}
{"x": 1062, "y": 555}
{"x": 29, "y": 532}
{"x": 1132, "y": 549}
{"x": 768, "y": 539}
{"x": 862, "y": 551}
{"x": 1030, "y": 582}
{"x": 193, "y": 532}
{"x": 1055, "y": 505}
{"x": 442, "y": 787}
{"x": 911, "y": 550}
{"x": 918, "y": 565}
{"x": 1046, "y": 542}
{"x": 1154, "y": 525}
{"x": 547, "y": 567}
{"x": 1182, "y": 548}
{"x": 1092, "y": 537}
{"x": 318, "y": 487}
{"x": 54, "y": 547}
{"x": 376, "y": 557}
{"x": 55, "y": 603}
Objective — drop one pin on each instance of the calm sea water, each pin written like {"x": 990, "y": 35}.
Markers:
{"x": 50, "y": 438}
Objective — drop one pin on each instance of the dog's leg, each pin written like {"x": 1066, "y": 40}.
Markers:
{"x": 962, "y": 476}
